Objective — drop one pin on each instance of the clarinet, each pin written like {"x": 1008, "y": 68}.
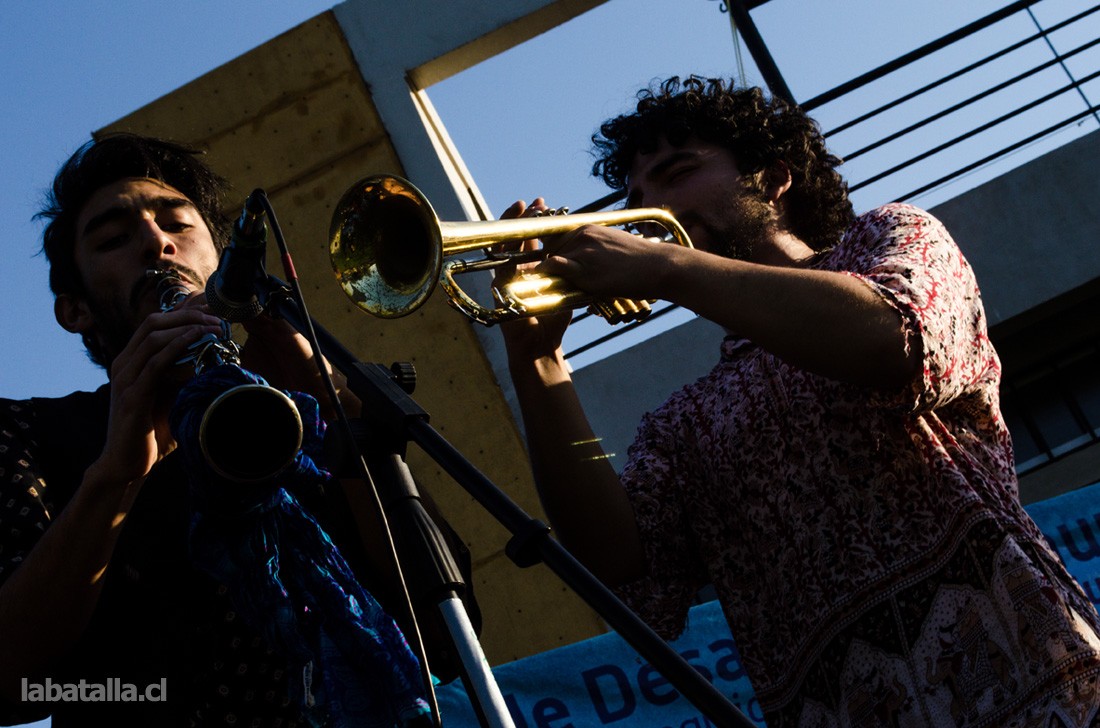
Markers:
{"x": 212, "y": 349}
{"x": 250, "y": 432}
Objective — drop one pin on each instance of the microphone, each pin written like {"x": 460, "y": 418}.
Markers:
{"x": 231, "y": 292}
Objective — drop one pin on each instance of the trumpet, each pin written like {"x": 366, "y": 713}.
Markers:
{"x": 250, "y": 432}
{"x": 389, "y": 249}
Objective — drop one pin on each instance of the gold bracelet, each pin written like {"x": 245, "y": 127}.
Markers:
{"x": 593, "y": 441}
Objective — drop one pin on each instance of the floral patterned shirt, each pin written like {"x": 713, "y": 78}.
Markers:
{"x": 869, "y": 548}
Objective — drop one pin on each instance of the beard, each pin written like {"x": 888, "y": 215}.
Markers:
{"x": 739, "y": 228}
{"x": 118, "y": 317}
{"x": 113, "y": 332}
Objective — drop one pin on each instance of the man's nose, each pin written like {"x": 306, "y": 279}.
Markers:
{"x": 156, "y": 243}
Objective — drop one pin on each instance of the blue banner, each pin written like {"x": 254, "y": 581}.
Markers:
{"x": 603, "y": 682}
{"x": 1071, "y": 523}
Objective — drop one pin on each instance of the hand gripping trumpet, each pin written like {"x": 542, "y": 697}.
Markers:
{"x": 250, "y": 432}
{"x": 388, "y": 250}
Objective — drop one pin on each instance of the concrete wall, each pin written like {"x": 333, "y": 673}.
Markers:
{"x": 1034, "y": 232}
{"x": 618, "y": 390}
{"x": 403, "y": 47}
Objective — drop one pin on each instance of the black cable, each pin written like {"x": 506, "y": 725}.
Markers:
{"x": 364, "y": 471}
{"x": 1060, "y": 59}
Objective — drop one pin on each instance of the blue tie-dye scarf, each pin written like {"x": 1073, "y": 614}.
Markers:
{"x": 350, "y": 663}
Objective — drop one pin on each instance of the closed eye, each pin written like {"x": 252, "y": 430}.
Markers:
{"x": 112, "y": 242}
{"x": 679, "y": 172}
{"x": 176, "y": 227}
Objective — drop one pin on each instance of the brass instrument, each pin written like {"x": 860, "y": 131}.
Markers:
{"x": 250, "y": 432}
{"x": 388, "y": 247}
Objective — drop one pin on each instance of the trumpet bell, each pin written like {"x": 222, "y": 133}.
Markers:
{"x": 385, "y": 246}
{"x": 389, "y": 249}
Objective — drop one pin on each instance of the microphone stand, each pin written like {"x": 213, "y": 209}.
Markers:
{"x": 396, "y": 419}
{"x": 429, "y": 569}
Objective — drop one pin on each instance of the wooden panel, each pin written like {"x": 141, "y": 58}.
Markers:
{"x": 294, "y": 117}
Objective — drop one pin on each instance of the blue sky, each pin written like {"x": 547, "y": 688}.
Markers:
{"x": 70, "y": 68}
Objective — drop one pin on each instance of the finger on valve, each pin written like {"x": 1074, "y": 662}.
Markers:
{"x": 619, "y": 310}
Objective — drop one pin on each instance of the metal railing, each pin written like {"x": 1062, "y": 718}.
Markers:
{"x": 959, "y": 138}
{"x": 1013, "y": 82}
{"x": 1053, "y": 409}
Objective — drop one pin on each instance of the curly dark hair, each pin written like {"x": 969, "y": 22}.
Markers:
{"x": 106, "y": 160}
{"x": 758, "y": 130}
{"x": 103, "y": 161}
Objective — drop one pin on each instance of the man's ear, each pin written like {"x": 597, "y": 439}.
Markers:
{"x": 777, "y": 180}
{"x": 73, "y": 313}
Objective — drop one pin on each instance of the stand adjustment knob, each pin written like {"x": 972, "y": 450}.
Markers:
{"x": 404, "y": 374}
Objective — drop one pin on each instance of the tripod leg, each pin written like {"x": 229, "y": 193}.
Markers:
{"x": 432, "y": 575}
{"x": 481, "y": 686}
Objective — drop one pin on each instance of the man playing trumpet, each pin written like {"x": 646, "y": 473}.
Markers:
{"x": 843, "y": 476}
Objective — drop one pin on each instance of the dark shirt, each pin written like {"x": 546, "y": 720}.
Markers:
{"x": 158, "y": 617}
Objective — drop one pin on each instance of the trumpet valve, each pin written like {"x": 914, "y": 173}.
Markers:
{"x": 530, "y": 294}
{"x": 621, "y": 310}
